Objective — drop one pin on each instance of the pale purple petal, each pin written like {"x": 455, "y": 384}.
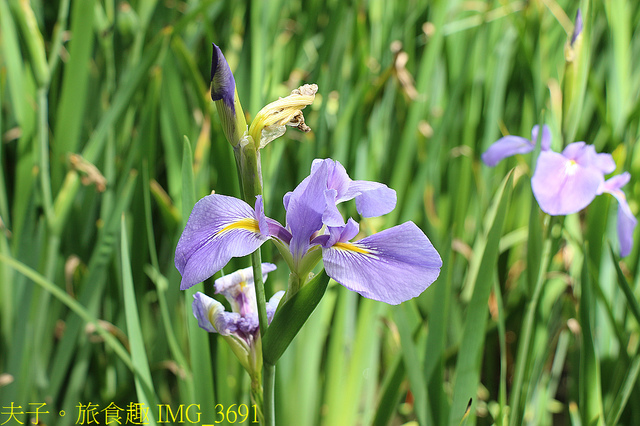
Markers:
{"x": 586, "y": 156}
{"x": 626, "y": 225}
{"x": 331, "y": 215}
{"x": 626, "y": 220}
{"x": 213, "y": 318}
{"x": 615, "y": 183}
{"x": 218, "y": 229}
{"x": 305, "y": 208}
{"x": 340, "y": 234}
{"x": 391, "y": 266}
{"x": 276, "y": 230}
{"x": 562, "y": 186}
{"x": 506, "y": 147}
{"x": 545, "y": 140}
{"x": 202, "y": 305}
{"x": 262, "y": 218}
{"x": 272, "y": 305}
{"x": 338, "y": 178}
{"x": 372, "y": 198}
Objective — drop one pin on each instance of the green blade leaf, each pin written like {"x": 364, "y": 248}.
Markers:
{"x": 144, "y": 384}
{"x": 470, "y": 353}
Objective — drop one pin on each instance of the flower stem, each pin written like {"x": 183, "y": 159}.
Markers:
{"x": 269, "y": 372}
{"x": 268, "y": 408}
{"x": 256, "y": 261}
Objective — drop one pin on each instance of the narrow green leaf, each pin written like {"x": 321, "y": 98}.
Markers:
{"x": 624, "y": 393}
{"x": 470, "y": 352}
{"x": 71, "y": 303}
{"x": 144, "y": 385}
{"x": 413, "y": 365}
{"x": 390, "y": 392}
{"x": 632, "y": 301}
{"x": 74, "y": 93}
{"x": 590, "y": 390}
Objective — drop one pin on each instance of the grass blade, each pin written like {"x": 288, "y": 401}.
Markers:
{"x": 470, "y": 352}
{"x": 142, "y": 379}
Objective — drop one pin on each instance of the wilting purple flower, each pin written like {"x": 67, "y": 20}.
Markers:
{"x": 626, "y": 220}
{"x": 241, "y": 326}
{"x": 568, "y": 182}
{"x": 511, "y": 145}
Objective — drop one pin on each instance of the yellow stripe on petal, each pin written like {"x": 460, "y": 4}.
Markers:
{"x": 248, "y": 223}
{"x": 352, "y": 247}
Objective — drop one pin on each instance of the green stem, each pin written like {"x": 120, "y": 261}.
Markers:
{"x": 268, "y": 408}
{"x": 268, "y": 403}
{"x": 523, "y": 350}
{"x": 256, "y": 397}
{"x": 256, "y": 260}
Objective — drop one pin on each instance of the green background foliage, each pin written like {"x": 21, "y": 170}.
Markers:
{"x": 109, "y": 137}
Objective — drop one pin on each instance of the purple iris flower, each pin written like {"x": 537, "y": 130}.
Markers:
{"x": 241, "y": 326}
{"x": 567, "y": 182}
{"x": 392, "y": 266}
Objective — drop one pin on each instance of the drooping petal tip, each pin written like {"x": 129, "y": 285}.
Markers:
{"x": 626, "y": 220}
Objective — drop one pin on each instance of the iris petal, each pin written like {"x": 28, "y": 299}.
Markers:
{"x": 372, "y": 198}
{"x": 545, "y": 140}
{"x": 626, "y": 220}
{"x": 218, "y": 229}
{"x": 506, "y": 147}
{"x": 272, "y": 305}
{"x": 202, "y": 305}
{"x": 562, "y": 186}
{"x": 391, "y": 266}
{"x": 305, "y": 208}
